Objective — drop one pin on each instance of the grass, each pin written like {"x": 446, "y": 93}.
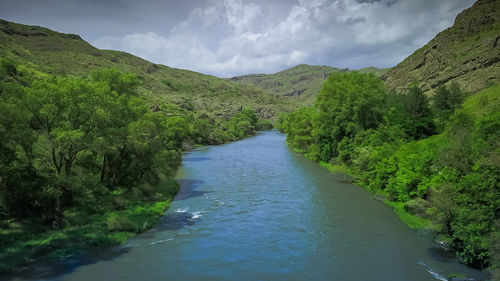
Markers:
{"x": 342, "y": 169}
{"x": 411, "y": 220}
{"x": 483, "y": 102}
{"x": 22, "y": 243}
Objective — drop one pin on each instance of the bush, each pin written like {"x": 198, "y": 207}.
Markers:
{"x": 119, "y": 222}
{"x": 8, "y": 67}
{"x": 417, "y": 206}
{"x": 263, "y": 125}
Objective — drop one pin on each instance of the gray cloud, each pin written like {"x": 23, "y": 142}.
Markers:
{"x": 234, "y": 37}
{"x": 353, "y": 21}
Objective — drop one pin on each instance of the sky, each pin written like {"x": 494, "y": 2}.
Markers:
{"x": 227, "y": 38}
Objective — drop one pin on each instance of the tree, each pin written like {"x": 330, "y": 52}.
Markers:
{"x": 117, "y": 81}
{"x": 243, "y": 123}
{"x": 298, "y": 126}
{"x": 446, "y": 100}
{"x": 68, "y": 142}
{"x": 416, "y": 105}
{"x": 347, "y": 104}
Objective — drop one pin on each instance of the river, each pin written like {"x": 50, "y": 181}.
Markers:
{"x": 255, "y": 210}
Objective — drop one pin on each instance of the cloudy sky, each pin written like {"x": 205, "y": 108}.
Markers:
{"x": 234, "y": 37}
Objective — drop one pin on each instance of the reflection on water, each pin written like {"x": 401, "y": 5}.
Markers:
{"x": 254, "y": 210}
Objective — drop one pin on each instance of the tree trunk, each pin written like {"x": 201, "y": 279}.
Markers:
{"x": 67, "y": 167}
{"x": 103, "y": 168}
{"x": 54, "y": 159}
{"x": 58, "y": 214}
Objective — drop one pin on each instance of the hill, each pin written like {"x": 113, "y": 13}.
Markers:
{"x": 38, "y": 51}
{"x": 466, "y": 53}
{"x": 301, "y": 82}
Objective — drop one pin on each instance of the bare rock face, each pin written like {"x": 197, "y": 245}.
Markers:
{"x": 466, "y": 53}
{"x": 295, "y": 93}
{"x": 265, "y": 113}
{"x": 154, "y": 108}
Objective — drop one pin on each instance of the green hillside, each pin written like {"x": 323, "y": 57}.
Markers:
{"x": 466, "y": 53}
{"x": 38, "y": 51}
{"x": 301, "y": 83}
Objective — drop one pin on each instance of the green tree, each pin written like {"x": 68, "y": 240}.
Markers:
{"x": 117, "y": 81}
{"x": 446, "y": 100}
{"x": 416, "y": 105}
{"x": 243, "y": 123}
{"x": 70, "y": 141}
{"x": 298, "y": 127}
{"x": 347, "y": 104}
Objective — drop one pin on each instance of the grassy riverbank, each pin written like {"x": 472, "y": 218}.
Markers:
{"x": 434, "y": 161}
{"x": 413, "y": 221}
{"x": 118, "y": 217}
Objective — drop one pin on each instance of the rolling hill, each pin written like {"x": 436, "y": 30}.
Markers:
{"x": 300, "y": 83}
{"x": 39, "y": 51}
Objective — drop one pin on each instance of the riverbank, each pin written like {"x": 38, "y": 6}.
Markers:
{"x": 312, "y": 224}
{"x": 119, "y": 217}
{"x": 413, "y": 221}
{"x": 440, "y": 166}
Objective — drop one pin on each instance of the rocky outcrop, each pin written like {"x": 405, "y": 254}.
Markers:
{"x": 466, "y": 53}
{"x": 295, "y": 93}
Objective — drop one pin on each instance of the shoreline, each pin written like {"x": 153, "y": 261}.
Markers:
{"x": 114, "y": 229}
{"x": 415, "y": 222}
{"x": 110, "y": 228}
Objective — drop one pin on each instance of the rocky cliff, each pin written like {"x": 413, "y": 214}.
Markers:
{"x": 467, "y": 53}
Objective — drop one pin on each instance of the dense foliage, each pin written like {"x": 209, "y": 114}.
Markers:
{"x": 438, "y": 162}
{"x": 78, "y": 148}
{"x": 79, "y": 140}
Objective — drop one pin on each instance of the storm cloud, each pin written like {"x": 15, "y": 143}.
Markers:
{"x": 234, "y": 37}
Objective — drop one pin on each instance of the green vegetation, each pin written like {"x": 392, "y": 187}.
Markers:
{"x": 84, "y": 162}
{"x": 446, "y": 100}
{"x": 300, "y": 83}
{"x": 120, "y": 216}
{"x": 37, "y": 52}
{"x": 437, "y": 164}
{"x": 87, "y": 153}
{"x": 409, "y": 219}
{"x": 74, "y": 152}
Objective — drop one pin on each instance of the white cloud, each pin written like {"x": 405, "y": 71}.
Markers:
{"x": 235, "y": 37}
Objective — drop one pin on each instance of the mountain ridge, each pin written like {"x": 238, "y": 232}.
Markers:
{"x": 39, "y": 51}
{"x": 466, "y": 53}
{"x": 301, "y": 82}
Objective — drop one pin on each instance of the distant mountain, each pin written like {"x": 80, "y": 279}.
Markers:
{"x": 40, "y": 51}
{"x": 467, "y": 53}
{"x": 301, "y": 82}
